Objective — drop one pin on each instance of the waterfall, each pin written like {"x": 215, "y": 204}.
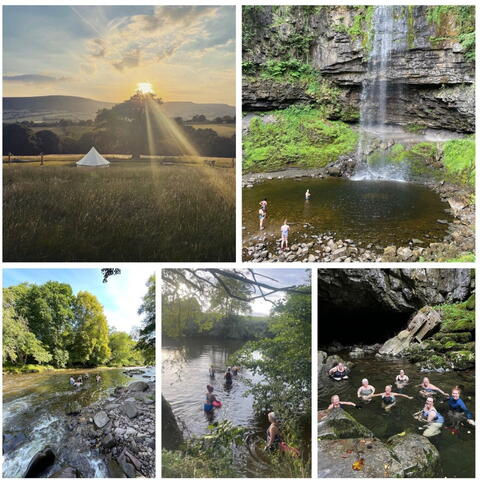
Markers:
{"x": 389, "y": 36}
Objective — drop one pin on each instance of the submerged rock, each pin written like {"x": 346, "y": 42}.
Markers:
{"x": 337, "y": 423}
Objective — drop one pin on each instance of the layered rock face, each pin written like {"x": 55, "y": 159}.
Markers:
{"x": 435, "y": 77}
{"x": 394, "y": 290}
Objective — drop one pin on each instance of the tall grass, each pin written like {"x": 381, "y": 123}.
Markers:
{"x": 143, "y": 212}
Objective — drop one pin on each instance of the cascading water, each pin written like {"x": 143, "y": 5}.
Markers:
{"x": 389, "y": 36}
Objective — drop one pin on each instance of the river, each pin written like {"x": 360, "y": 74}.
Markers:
{"x": 34, "y": 412}
{"x": 381, "y": 213}
{"x": 184, "y": 379}
{"x": 457, "y": 451}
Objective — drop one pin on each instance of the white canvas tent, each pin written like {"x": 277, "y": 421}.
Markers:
{"x": 93, "y": 159}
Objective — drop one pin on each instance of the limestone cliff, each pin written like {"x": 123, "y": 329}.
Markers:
{"x": 435, "y": 69}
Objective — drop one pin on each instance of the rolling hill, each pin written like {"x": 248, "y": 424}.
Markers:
{"x": 55, "y": 107}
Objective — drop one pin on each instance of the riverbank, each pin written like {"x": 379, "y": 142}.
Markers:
{"x": 33, "y": 368}
{"x": 457, "y": 245}
{"x": 49, "y": 425}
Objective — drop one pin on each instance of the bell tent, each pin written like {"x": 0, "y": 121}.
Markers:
{"x": 93, "y": 159}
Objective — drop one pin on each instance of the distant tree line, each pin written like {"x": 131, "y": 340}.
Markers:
{"x": 122, "y": 129}
{"x": 49, "y": 325}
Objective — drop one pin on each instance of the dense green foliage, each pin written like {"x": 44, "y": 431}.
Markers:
{"x": 459, "y": 160}
{"x": 455, "y": 22}
{"x": 284, "y": 362}
{"x": 299, "y": 136}
{"x": 183, "y": 314}
{"x": 146, "y": 342}
{"x": 48, "y": 325}
{"x": 207, "y": 457}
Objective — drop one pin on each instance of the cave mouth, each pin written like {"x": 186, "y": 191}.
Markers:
{"x": 358, "y": 326}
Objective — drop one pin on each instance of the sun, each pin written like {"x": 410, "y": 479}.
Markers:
{"x": 145, "y": 87}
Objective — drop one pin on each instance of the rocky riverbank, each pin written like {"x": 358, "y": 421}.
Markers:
{"x": 327, "y": 247}
{"x": 113, "y": 437}
{"x": 346, "y": 448}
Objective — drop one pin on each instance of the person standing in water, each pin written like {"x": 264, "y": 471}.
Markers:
{"x": 209, "y": 399}
{"x": 457, "y": 410}
{"x": 336, "y": 403}
{"x": 401, "y": 379}
{"x": 284, "y": 229}
{"x": 339, "y": 372}
{"x": 72, "y": 381}
{"x": 261, "y": 217}
{"x": 211, "y": 371}
{"x": 429, "y": 388}
{"x": 273, "y": 433}
{"x": 366, "y": 391}
{"x": 430, "y": 415}
{"x": 389, "y": 398}
{"x": 307, "y": 194}
{"x": 263, "y": 205}
{"x": 98, "y": 378}
{"x": 228, "y": 377}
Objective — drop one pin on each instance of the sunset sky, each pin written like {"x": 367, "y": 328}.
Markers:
{"x": 186, "y": 52}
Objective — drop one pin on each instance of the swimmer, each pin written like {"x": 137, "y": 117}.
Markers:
{"x": 209, "y": 399}
{"x": 98, "y": 378}
{"x": 430, "y": 415}
{"x": 336, "y": 403}
{"x": 228, "y": 377}
{"x": 366, "y": 391}
{"x": 339, "y": 372}
{"x": 429, "y": 388}
{"x": 457, "y": 410}
{"x": 389, "y": 398}
{"x": 401, "y": 379}
{"x": 211, "y": 371}
{"x": 72, "y": 381}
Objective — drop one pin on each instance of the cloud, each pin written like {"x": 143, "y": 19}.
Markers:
{"x": 129, "y": 60}
{"x": 87, "y": 68}
{"x": 33, "y": 78}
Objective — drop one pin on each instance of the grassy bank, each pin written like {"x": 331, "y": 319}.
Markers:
{"x": 35, "y": 368}
{"x": 138, "y": 212}
{"x": 296, "y": 136}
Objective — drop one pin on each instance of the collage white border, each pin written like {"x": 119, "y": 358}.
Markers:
{"x": 157, "y": 266}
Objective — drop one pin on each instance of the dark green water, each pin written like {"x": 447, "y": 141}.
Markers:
{"x": 457, "y": 452}
{"x": 378, "y": 212}
{"x": 34, "y": 405}
{"x": 185, "y": 375}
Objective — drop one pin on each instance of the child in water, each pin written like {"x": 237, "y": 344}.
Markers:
{"x": 284, "y": 229}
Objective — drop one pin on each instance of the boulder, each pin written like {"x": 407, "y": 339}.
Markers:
{"x": 172, "y": 436}
{"x": 101, "y": 419}
{"x": 130, "y": 410}
{"x": 138, "y": 386}
{"x": 66, "y": 472}
{"x": 108, "y": 441}
{"x": 11, "y": 441}
{"x": 418, "y": 457}
{"x": 337, "y": 423}
{"x": 337, "y": 457}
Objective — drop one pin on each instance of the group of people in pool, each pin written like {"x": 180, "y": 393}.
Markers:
{"x": 457, "y": 410}
{"x": 81, "y": 379}
{"x": 285, "y": 228}
{"x": 210, "y": 399}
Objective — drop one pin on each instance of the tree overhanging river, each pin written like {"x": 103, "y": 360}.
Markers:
{"x": 34, "y": 415}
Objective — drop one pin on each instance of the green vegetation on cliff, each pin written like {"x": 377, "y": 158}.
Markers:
{"x": 453, "y": 346}
{"x": 296, "y": 136}
{"x": 455, "y": 22}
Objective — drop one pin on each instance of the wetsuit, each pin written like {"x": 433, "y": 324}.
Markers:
{"x": 459, "y": 406}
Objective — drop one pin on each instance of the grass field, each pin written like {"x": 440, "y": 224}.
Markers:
{"x": 130, "y": 212}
